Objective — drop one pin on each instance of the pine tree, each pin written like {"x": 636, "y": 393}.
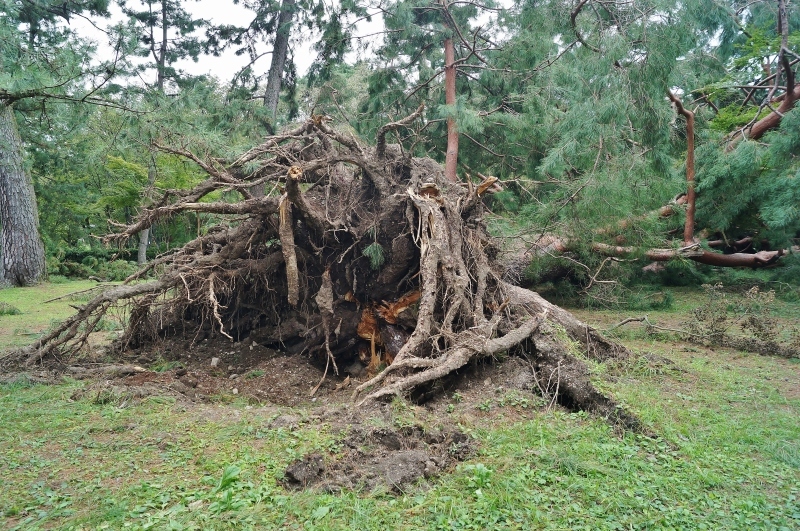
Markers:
{"x": 276, "y": 23}
{"x": 40, "y": 61}
{"x": 167, "y": 35}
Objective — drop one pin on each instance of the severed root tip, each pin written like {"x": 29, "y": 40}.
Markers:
{"x": 295, "y": 172}
{"x": 489, "y": 185}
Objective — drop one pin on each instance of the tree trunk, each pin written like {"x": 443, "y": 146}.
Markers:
{"x": 451, "y": 158}
{"x": 691, "y": 194}
{"x": 161, "y": 57}
{"x": 144, "y": 235}
{"x": 161, "y": 63}
{"x": 20, "y": 244}
{"x": 141, "y": 256}
{"x": 279, "y": 52}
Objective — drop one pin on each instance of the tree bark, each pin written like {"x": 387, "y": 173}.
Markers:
{"x": 279, "y": 52}
{"x": 141, "y": 255}
{"x": 688, "y": 228}
{"x": 451, "y": 158}
{"x": 161, "y": 57}
{"x": 20, "y": 244}
{"x": 144, "y": 235}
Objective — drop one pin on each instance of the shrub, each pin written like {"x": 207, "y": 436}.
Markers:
{"x": 751, "y": 312}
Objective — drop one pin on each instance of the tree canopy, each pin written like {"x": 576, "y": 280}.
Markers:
{"x": 571, "y": 105}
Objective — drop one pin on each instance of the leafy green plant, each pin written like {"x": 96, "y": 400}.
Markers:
{"x": 733, "y": 117}
{"x": 515, "y": 400}
{"x": 485, "y": 405}
{"x": 255, "y": 373}
{"x": 229, "y": 477}
{"x": 163, "y": 365}
{"x": 116, "y": 270}
{"x": 480, "y": 476}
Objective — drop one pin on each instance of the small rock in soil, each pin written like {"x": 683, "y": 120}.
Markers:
{"x": 178, "y": 386}
{"x": 188, "y": 381}
{"x": 387, "y": 438}
{"x": 214, "y": 362}
{"x": 354, "y": 369}
{"x": 305, "y": 471}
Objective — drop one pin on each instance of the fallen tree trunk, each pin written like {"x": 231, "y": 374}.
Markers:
{"x": 553, "y": 245}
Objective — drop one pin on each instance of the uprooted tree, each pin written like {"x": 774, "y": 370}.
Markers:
{"x": 358, "y": 251}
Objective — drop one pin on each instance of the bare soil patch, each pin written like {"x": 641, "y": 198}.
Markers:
{"x": 382, "y": 446}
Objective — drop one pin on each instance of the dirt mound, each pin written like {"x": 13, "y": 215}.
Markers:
{"x": 217, "y": 368}
{"x": 372, "y": 458}
{"x": 220, "y": 367}
{"x": 379, "y": 447}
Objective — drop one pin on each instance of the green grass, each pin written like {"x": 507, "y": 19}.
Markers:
{"x": 35, "y": 316}
{"x": 728, "y": 457}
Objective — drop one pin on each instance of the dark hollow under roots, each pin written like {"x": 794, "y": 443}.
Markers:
{"x": 336, "y": 250}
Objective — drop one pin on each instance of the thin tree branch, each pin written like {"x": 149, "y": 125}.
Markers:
{"x": 573, "y": 16}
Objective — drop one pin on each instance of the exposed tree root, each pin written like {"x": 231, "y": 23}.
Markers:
{"x": 363, "y": 253}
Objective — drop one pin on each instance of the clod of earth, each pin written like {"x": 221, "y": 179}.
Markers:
{"x": 353, "y": 252}
{"x": 381, "y": 458}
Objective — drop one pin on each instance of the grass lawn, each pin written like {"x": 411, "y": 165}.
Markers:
{"x": 728, "y": 455}
{"x": 27, "y": 314}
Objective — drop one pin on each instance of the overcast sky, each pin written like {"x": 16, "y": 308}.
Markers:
{"x": 217, "y": 12}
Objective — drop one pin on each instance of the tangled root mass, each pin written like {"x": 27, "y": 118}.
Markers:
{"x": 352, "y": 252}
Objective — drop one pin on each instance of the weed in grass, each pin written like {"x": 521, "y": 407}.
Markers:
{"x": 8, "y": 309}
{"x": 479, "y": 476}
{"x": 517, "y": 400}
{"x": 485, "y": 405}
{"x": 403, "y": 415}
{"x": 255, "y": 373}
